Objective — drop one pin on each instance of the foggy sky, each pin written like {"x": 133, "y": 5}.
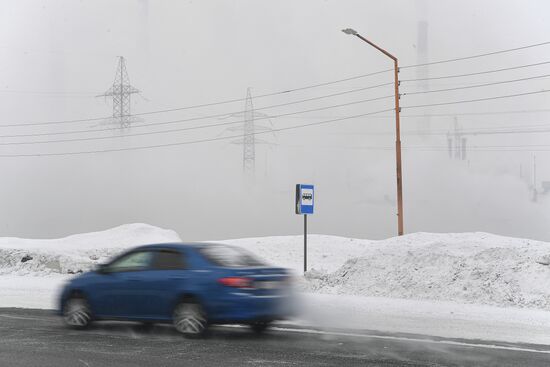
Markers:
{"x": 56, "y": 56}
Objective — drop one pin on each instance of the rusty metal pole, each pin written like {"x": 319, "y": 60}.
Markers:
{"x": 398, "y": 152}
{"x": 400, "y": 229}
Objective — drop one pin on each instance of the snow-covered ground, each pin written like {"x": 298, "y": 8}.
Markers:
{"x": 32, "y": 271}
{"x": 478, "y": 268}
{"x": 74, "y": 253}
{"x": 469, "y": 285}
{"x": 434, "y": 318}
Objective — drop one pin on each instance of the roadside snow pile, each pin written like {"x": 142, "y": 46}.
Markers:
{"x": 326, "y": 253}
{"x": 76, "y": 253}
{"x": 476, "y": 268}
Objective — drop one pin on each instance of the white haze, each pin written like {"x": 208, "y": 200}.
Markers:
{"x": 55, "y": 56}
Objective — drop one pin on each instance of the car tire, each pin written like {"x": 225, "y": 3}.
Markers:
{"x": 146, "y": 326}
{"x": 76, "y": 312}
{"x": 260, "y": 326}
{"x": 189, "y": 318}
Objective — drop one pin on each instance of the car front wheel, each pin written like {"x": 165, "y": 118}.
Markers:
{"x": 190, "y": 319}
{"x": 77, "y": 313}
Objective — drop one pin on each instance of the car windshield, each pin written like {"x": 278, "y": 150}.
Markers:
{"x": 228, "y": 256}
{"x": 132, "y": 261}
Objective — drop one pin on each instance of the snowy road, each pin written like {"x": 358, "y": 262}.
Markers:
{"x": 37, "y": 338}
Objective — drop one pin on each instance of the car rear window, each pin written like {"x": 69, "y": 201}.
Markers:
{"x": 228, "y": 256}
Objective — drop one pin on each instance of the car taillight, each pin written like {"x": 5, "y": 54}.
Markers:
{"x": 237, "y": 282}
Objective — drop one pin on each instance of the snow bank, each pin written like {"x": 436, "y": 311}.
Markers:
{"x": 417, "y": 283}
{"x": 75, "y": 253}
{"x": 326, "y": 253}
{"x": 475, "y": 268}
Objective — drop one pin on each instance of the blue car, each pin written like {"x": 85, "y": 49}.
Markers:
{"x": 189, "y": 285}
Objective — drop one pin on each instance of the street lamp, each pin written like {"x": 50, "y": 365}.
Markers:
{"x": 397, "y": 128}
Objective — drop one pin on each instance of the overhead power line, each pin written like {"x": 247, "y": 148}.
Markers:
{"x": 476, "y": 100}
{"x": 495, "y": 131}
{"x": 270, "y": 94}
{"x": 518, "y": 129}
{"x": 192, "y": 127}
{"x": 282, "y": 105}
{"x": 476, "y": 85}
{"x": 284, "y": 91}
{"x": 486, "y": 148}
{"x": 191, "y": 141}
{"x": 219, "y": 115}
{"x": 502, "y": 129}
{"x": 425, "y": 149}
{"x": 273, "y": 116}
{"x": 481, "y": 113}
{"x": 208, "y": 104}
{"x": 476, "y": 56}
{"x": 485, "y": 113}
{"x": 476, "y": 73}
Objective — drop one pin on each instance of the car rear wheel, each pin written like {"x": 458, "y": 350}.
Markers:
{"x": 76, "y": 312}
{"x": 146, "y": 325}
{"x": 260, "y": 326}
{"x": 190, "y": 319}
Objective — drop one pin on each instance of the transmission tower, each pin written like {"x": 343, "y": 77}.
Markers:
{"x": 120, "y": 91}
{"x": 249, "y": 130}
{"x": 249, "y": 139}
{"x": 457, "y": 142}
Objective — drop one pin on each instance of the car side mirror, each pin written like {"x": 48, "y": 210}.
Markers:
{"x": 102, "y": 269}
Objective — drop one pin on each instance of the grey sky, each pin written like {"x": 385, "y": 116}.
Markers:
{"x": 55, "y": 56}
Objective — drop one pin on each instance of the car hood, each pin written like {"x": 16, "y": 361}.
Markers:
{"x": 83, "y": 277}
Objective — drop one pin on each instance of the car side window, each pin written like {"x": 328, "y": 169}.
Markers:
{"x": 135, "y": 261}
{"x": 168, "y": 260}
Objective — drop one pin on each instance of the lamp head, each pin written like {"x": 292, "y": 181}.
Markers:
{"x": 349, "y": 31}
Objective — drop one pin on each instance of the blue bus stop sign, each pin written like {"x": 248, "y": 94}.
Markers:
{"x": 304, "y": 199}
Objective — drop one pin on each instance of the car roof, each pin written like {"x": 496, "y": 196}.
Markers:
{"x": 176, "y": 245}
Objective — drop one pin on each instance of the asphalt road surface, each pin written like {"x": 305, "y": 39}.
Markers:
{"x": 38, "y": 338}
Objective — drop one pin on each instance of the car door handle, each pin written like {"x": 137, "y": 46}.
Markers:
{"x": 178, "y": 278}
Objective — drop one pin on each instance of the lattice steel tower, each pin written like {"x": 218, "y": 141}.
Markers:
{"x": 120, "y": 91}
{"x": 249, "y": 143}
{"x": 249, "y": 130}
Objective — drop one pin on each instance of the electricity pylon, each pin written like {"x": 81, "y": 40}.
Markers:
{"x": 249, "y": 130}
{"x": 120, "y": 91}
{"x": 457, "y": 142}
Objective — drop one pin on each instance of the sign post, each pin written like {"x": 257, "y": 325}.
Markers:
{"x": 305, "y": 243}
{"x": 304, "y": 206}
